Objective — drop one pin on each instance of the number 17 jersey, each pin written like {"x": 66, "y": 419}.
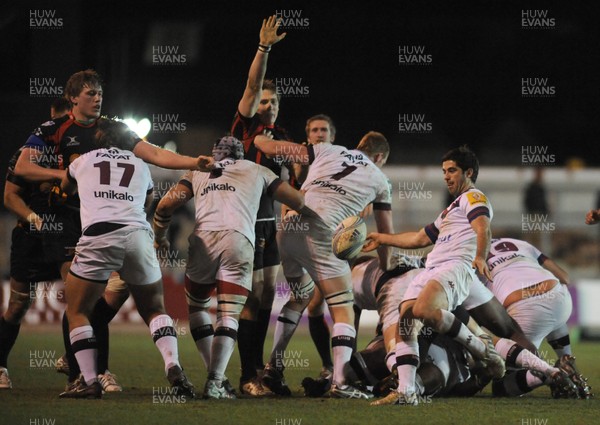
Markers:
{"x": 342, "y": 182}
{"x": 112, "y": 185}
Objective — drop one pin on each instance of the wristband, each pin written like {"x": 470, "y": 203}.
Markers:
{"x": 263, "y": 48}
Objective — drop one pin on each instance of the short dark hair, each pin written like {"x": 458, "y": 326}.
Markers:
{"x": 79, "y": 80}
{"x": 113, "y": 133}
{"x": 465, "y": 158}
{"x": 373, "y": 143}
{"x": 321, "y": 117}
{"x": 61, "y": 104}
{"x": 271, "y": 86}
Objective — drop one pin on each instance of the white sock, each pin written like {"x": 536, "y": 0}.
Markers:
{"x": 222, "y": 346}
{"x": 85, "y": 349}
{"x": 286, "y": 325}
{"x": 202, "y": 332}
{"x": 455, "y": 329}
{"x": 343, "y": 338}
{"x": 165, "y": 339}
{"x": 533, "y": 381}
{"x": 517, "y": 356}
{"x": 407, "y": 362}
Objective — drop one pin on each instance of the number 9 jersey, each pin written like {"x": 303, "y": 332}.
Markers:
{"x": 113, "y": 185}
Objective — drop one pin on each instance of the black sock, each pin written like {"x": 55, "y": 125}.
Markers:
{"x": 73, "y": 365}
{"x": 513, "y": 384}
{"x": 100, "y": 318}
{"x": 319, "y": 332}
{"x": 8, "y": 336}
{"x": 262, "y": 326}
{"x": 246, "y": 337}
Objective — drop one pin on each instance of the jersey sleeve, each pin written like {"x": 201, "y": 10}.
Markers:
{"x": 475, "y": 204}
{"x": 42, "y": 135}
{"x": 73, "y": 169}
{"x": 187, "y": 179}
{"x": 531, "y": 251}
{"x": 268, "y": 177}
{"x": 383, "y": 198}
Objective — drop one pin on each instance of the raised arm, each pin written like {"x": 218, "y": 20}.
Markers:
{"x": 153, "y": 154}
{"x": 27, "y": 168}
{"x": 481, "y": 226}
{"x": 288, "y": 151}
{"x": 406, "y": 240}
{"x": 268, "y": 36}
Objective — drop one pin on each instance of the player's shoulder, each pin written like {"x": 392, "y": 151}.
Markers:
{"x": 474, "y": 197}
{"x": 51, "y": 127}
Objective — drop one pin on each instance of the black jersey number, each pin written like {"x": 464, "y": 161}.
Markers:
{"x": 347, "y": 170}
{"x": 104, "y": 167}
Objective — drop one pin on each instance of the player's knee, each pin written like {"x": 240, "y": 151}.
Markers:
{"x": 301, "y": 291}
{"x": 230, "y": 305}
{"x": 196, "y": 303}
{"x": 18, "y": 305}
{"x": 341, "y": 299}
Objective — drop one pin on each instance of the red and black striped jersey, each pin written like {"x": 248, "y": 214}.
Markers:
{"x": 246, "y": 129}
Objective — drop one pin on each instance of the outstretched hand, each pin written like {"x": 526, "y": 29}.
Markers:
{"x": 268, "y": 32}
{"x": 372, "y": 242}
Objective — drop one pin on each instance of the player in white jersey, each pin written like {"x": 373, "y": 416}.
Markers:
{"x": 114, "y": 186}
{"x": 533, "y": 289}
{"x": 461, "y": 236}
{"x": 340, "y": 183}
{"x": 222, "y": 247}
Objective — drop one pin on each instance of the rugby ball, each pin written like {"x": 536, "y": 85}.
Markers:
{"x": 349, "y": 237}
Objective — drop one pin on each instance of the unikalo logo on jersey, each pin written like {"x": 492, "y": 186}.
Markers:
{"x": 217, "y": 187}
{"x": 500, "y": 260}
{"x": 111, "y": 194}
{"x": 329, "y": 185}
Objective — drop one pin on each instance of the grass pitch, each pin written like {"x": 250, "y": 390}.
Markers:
{"x": 146, "y": 398}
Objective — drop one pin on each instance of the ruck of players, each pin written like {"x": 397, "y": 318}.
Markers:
{"x": 469, "y": 314}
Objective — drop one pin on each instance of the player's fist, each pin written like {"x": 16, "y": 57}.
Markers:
{"x": 57, "y": 197}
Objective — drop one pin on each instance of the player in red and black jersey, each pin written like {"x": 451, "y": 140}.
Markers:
{"x": 71, "y": 136}
{"x": 257, "y": 112}
{"x": 28, "y": 265}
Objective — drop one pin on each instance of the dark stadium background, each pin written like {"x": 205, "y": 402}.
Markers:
{"x": 347, "y": 56}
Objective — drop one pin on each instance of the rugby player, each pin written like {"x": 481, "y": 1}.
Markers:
{"x": 29, "y": 202}
{"x": 221, "y": 247}
{"x": 257, "y": 112}
{"x": 114, "y": 187}
{"x": 340, "y": 183}
{"x": 461, "y": 236}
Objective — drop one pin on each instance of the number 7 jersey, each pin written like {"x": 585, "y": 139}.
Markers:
{"x": 112, "y": 185}
{"x": 342, "y": 182}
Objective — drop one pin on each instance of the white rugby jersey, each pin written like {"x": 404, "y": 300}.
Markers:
{"x": 342, "y": 182}
{"x": 228, "y": 198}
{"x": 451, "y": 232}
{"x": 112, "y": 185}
{"x": 515, "y": 265}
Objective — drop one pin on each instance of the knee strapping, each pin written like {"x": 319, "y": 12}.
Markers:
{"x": 192, "y": 301}
{"x": 300, "y": 291}
{"x": 230, "y": 305}
{"x": 340, "y": 299}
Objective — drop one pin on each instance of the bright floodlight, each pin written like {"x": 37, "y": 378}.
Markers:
{"x": 141, "y": 127}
